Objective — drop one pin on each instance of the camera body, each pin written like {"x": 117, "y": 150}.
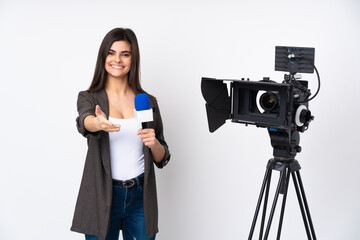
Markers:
{"x": 269, "y": 104}
{"x": 264, "y": 103}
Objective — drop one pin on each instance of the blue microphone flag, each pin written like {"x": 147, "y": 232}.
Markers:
{"x": 143, "y": 111}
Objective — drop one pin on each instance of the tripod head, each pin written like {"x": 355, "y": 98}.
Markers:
{"x": 285, "y": 144}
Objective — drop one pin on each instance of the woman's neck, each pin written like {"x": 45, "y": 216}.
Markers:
{"x": 117, "y": 86}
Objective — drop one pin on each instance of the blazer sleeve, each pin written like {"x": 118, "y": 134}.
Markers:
{"x": 159, "y": 132}
{"x": 85, "y": 107}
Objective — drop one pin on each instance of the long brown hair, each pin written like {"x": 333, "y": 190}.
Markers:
{"x": 100, "y": 74}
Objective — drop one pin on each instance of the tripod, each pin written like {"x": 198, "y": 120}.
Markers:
{"x": 287, "y": 167}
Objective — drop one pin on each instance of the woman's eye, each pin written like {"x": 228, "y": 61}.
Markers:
{"x": 110, "y": 53}
{"x": 125, "y": 55}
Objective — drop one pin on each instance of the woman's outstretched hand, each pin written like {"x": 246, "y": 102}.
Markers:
{"x": 103, "y": 123}
{"x": 100, "y": 122}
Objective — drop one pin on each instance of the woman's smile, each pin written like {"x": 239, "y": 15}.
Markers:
{"x": 117, "y": 66}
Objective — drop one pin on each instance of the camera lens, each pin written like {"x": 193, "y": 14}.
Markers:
{"x": 269, "y": 101}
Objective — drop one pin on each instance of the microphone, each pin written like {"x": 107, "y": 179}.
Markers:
{"x": 143, "y": 111}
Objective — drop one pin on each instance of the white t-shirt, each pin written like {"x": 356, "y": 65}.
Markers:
{"x": 126, "y": 149}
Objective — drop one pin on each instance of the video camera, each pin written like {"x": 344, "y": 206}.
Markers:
{"x": 282, "y": 108}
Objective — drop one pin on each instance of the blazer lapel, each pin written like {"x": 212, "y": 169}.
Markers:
{"x": 105, "y": 155}
{"x": 103, "y": 102}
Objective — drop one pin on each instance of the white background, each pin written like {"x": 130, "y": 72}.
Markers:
{"x": 209, "y": 189}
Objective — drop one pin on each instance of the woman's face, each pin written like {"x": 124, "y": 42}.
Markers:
{"x": 118, "y": 60}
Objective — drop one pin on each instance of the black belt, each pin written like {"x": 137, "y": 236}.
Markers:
{"x": 129, "y": 183}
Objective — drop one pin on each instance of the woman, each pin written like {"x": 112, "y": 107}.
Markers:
{"x": 118, "y": 189}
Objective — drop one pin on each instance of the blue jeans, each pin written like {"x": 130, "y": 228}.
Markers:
{"x": 127, "y": 213}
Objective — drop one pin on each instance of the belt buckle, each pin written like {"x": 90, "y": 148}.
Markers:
{"x": 128, "y": 183}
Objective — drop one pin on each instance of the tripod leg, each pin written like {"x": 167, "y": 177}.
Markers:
{"x": 306, "y": 204}
{"x": 282, "y": 176}
{"x": 266, "y": 181}
{"x": 283, "y": 204}
{"x": 299, "y": 197}
{"x": 264, "y": 207}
